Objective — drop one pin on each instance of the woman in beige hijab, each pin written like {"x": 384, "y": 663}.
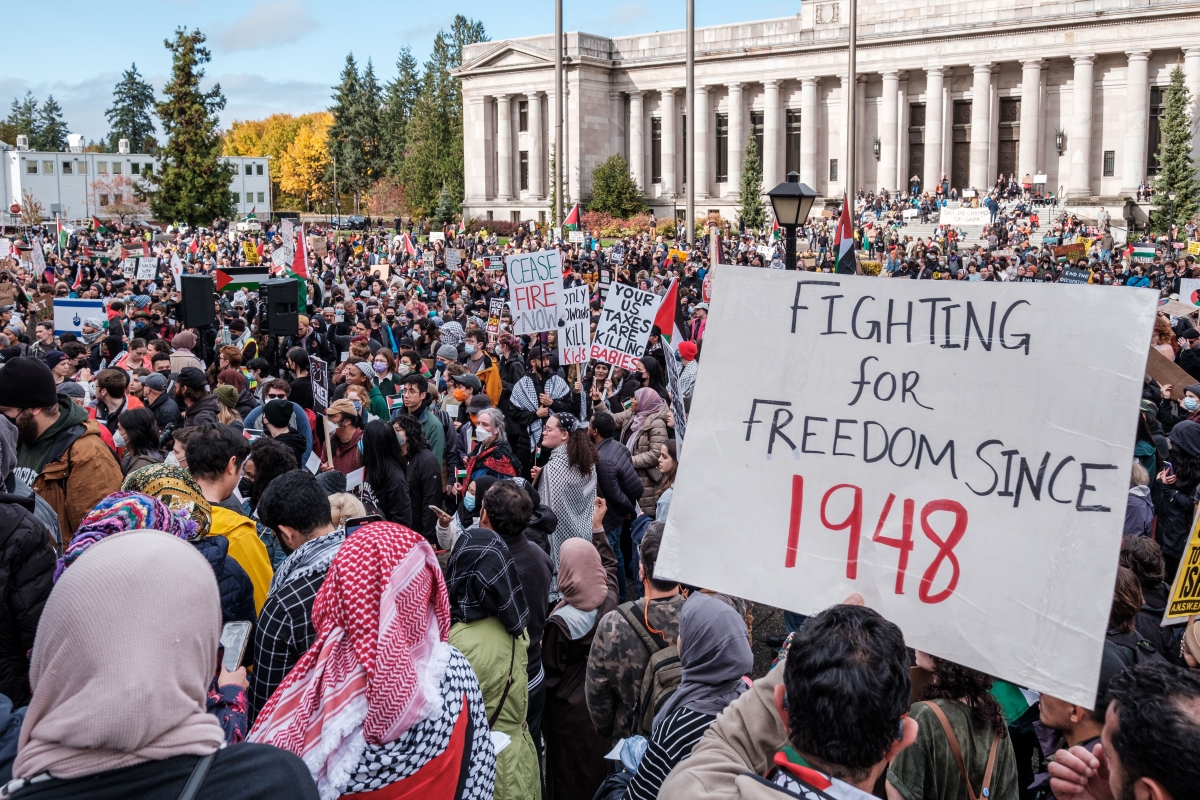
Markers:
{"x": 125, "y": 651}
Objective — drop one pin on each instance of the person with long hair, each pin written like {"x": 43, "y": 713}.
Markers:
{"x": 1175, "y": 492}
{"x": 651, "y": 372}
{"x": 668, "y": 465}
{"x": 381, "y": 697}
{"x": 385, "y": 479}
{"x": 246, "y": 401}
{"x": 137, "y": 432}
{"x": 958, "y": 702}
{"x": 567, "y": 484}
{"x": 423, "y": 472}
{"x": 491, "y": 455}
{"x": 227, "y": 407}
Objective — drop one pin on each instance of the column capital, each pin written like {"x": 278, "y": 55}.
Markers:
{"x": 1138, "y": 55}
{"x": 810, "y": 81}
{"x": 984, "y": 67}
{"x": 537, "y": 93}
{"x": 1083, "y": 59}
{"x": 501, "y": 98}
{"x": 734, "y": 86}
{"x": 770, "y": 83}
{"x": 701, "y": 89}
{"x": 891, "y": 74}
{"x": 1033, "y": 63}
{"x": 668, "y": 90}
{"x": 637, "y": 93}
{"x": 936, "y": 69}
{"x": 1194, "y": 52}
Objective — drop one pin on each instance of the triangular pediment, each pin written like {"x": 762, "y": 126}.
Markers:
{"x": 508, "y": 55}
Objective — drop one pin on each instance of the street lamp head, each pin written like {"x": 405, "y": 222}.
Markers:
{"x": 1060, "y": 139}
{"x": 1171, "y": 196}
{"x": 875, "y": 148}
{"x": 791, "y": 201}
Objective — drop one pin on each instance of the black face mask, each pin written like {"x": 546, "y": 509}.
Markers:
{"x": 246, "y": 487}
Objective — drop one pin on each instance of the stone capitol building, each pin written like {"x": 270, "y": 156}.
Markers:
{"x": 1071, "y": 92}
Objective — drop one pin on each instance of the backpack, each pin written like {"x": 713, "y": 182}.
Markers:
{"x": 663, "y": 672}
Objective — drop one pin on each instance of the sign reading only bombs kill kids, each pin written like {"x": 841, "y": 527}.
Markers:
{"x": 535, "y": 285}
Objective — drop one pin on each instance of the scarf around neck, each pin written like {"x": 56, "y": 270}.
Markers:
{"x": 309, "y": 558}
{"x": 525, "y": 397}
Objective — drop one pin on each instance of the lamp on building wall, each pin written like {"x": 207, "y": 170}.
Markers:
{"x": 791, "y": 201}
{"x": 1060, "y": 140}
{"x": 875, "y": 148}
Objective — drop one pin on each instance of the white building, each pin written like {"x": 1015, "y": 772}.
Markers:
{"x": 76, "y": 185}
{"x": 1068, "y": 89}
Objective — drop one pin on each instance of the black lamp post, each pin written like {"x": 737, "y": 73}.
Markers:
{"x": 791, "y": 202}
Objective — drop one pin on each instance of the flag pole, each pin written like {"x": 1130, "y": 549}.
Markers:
{"x": 558, "y": 112}
{"x": 850, "y": 94}
{"x": 690, "y": 105}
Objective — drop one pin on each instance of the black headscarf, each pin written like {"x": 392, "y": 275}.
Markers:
{"x": 482, "y": 484}
{"x": 483, "y": 582}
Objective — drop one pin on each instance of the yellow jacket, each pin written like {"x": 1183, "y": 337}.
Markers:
{"x": 246, "y": 549}
{"x": 490, "y": 378}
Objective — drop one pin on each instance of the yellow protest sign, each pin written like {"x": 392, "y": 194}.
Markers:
{"x": 251, "y": 252}
{"x": 1194, "y": 248}
{"x": 1185, "y": 591}
{"x": 678, "y": 255}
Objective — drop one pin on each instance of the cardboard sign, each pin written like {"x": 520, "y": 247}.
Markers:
{"x": 428, "y": 258}
{"x": 318, "y": 370}
{"x": 1070, "y": 252}
{"x": 535, "y": 287}
{"x": 250, "y": 252}
{"x": 1176, "y": 308}
{"x": 318, "y": 245}
{"x": 1184, "y": 600}
{"x": 624, "y": 327}
{"x": 990, "y": 538}
{"x": 1189, "y": 291}
{"x": 147, "y": 269}
{"x": 70, "y": 314}
{"x": 437, "y": 236}
{"x": 1193, "y": 248}
{"x": 575, "y": 237}
{"x": 495, "y": 309}
{"x": 1076, "y": 275}
{"x": 453, "y": 258}
{"x": 1166, "y": 371}
{"x": 574, "y": 326}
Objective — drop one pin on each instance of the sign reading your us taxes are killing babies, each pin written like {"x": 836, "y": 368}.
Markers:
{"x": 913, "y": 441}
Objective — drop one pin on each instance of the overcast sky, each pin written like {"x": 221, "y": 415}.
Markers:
{"x": 281, "y": 55}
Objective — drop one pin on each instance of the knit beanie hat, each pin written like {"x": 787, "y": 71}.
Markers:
{"x": 227, "y": 395}
{"x": 27, "y": 383}
{"x": 278, "y": 413}
{"x": 448, "y": 352}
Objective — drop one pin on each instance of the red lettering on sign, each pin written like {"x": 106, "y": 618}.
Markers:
{"x": 945, "y": 548}
{"x": 794, "y": 521}
{"x": 853, "y": 521}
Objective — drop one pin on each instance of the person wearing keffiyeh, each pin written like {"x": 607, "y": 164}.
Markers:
{"x": 534, "y": 398}
{"x": 489, "y": 613}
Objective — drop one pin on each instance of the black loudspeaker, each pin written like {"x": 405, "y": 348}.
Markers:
{"x": 198, "y": 297}
{"x": 281, "y": 298}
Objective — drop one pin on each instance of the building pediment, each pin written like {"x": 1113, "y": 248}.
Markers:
{"x": 507, "y": 55}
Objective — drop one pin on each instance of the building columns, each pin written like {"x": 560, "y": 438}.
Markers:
{"x": 537, "y": 146}
{"x": 669, "y": 125}
{"x": 1079, "y": 142}
{"x": 637, "y": 140}
{"x": 771, "y": 131}
{"x": 886, "y": 176}
{"x": 808, "y": 132}
{"x": 1029, "y": 146}
{"x": 475, "y": 141}
{"x": 737, "y": 138}
{"x": 504, "y": 147}
{"x": 981, "y": 126}
{"x": 935, "y": 82}
{"x": 700, "y": 146}
{"x": 1137, "y": 109}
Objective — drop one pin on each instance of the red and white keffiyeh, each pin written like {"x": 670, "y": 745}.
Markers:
{"x": 374, "y": 669}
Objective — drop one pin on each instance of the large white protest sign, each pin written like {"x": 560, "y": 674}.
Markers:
{"x": 535, "y": 286}
{"x": 894, "y": 442}
{"x": 129, "y": 267}
{"x": 1189, "y": 291}
{"x": 624, "y": 327}
{"x": 147, "y": 269}
{"x": 574, "y": 326}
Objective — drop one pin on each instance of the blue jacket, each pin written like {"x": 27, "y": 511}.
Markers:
{"x": 237, "y": 592}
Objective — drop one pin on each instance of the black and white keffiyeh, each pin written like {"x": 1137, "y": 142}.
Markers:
{"x": 572, "y": 497}
{"x": 483, "y": 582}
{"x": 525, "y": 397}
{"x": 313, "y": 556}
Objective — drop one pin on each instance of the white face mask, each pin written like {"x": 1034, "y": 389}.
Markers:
{"x": 119, "y": 440}
{"x": 171, "y": 460}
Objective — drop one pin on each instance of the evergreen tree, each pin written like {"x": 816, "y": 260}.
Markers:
{"x": 131, "y": 114}
{"x": 53, "y": 135}
{"x": 1176, "y": 170}
{"x": 613, "y": 189}
{"x": 367, "y": 135}
{"x": 434, "y": 134}
{"x": 191, "y": 184}
{"x": 400, "y": 97}
{"x": 750, "y": 204}
{"x": 446, "y": 210}
{"x": 345, "y": 159}
{"x": 25, "y": 120}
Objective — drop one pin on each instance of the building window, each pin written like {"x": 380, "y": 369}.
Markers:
{"x": 262, "y": 197}
{"x": 103, "y": 199}
{"x": 916, "y": 140}
{"x": 83, "y": 168}
{"x": 119, "y": 198}
{"x": 722, "y": 148}
{"x": 116, "y": 167}
{"x": 31, "y": 167}
{"x": 258, "y": 169}
{"x": 656, "y": 149}
{"x": 541, "y": 216}
{"x": 524, "y": 162}
{"x": 67, "y": 168}
{"x": 249, "y": 169}
{"x": 489, "y": 216}
{"x": 148, "y": 169}
{"x": 1110, "y": 163}
{"x": 514, "y": 217}
{"x": 523, "y": 116}
{"x": 47, "y": 167}
{"x": 833, "y": 169}
{"x": 1009, "y": 135}
{"x": 102, "y": 167}
{"x": 756, "y": 129}
{"x": 237, "y": 197}
{"x": 135, "y": 168}
{"x": 1157, "y": 108}
{"x": 793, "y": 141}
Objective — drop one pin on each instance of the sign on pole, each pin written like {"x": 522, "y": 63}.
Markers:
{"x": 427, "y": 258}
{"x": 1189, "y": 291}
{"x": 676, "y": 390}
{"x": 129, "y": 267}
{"x": 535, "y": 287}
{"x": 624, "y": 327}
{"x": 991, "y": 537}
{"x": 1075, "y": 275}
{"x": 70, "y": 314}
{"x": 574, "y": 326}
{"x": 147, "y": 269}
{"x": 453, "y": 258}
{"x": 1184, "y": 600}
{"x": 318, "y": 370}
{"x": 575, "y": 237}
{"x": 495, "y": 309}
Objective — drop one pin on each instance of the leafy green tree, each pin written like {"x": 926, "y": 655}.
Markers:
{"x": 750, "y": 204}
{"x": 613, "y": 189}
{"x": 191, "y": 183}
{"x": 131, "y": 115}
{"x": 25, "y": 120}
{"x": 446, "y": 210}
{"x": 434, "y": 134}
{"x": 367, "y": 135}
{"x": 54, "y": 129}
{"x": 400, "y": 95}
{"x": 346, "y": 159}
{"x": 1176, "y": 170}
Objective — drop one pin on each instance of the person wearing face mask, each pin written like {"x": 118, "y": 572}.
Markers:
{"x": 346, "y": 456}
{"x": 475, "y": 359}
{"x": 137, "y": 435}
{"x": 534, "y": 398}
{"x": 451, "y": 526}
{"x": 423, "y": 472}
{"x": 384, "y": 363}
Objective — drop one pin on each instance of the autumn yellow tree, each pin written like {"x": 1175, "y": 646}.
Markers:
{"x": 273, "y": 137}
{"x": 304, "y": 164}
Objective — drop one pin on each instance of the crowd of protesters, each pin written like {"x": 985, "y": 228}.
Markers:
{"x": 448, "y": 568}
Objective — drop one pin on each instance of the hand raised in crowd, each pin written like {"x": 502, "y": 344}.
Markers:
{"x": 1164, "y": 389}
{"x": 1080, "y": 775}
{"x": 443, "y": 517}
{"x": 598, "y": 513}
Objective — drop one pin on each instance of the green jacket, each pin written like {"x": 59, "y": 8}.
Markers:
{"x": 495, "y": 656}
{"x": 379, "y": 406}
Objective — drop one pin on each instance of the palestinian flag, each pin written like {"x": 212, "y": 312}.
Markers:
{"x": 62, "y": 235}
{"x": 251, "y": 216}
{"x": 844, "y": 243}
{"x": 78, "y": 279}
{"x": 573, "y": 219}
{"x": 300, "y": 259}
{"x": 462, "y": 226}
{"x": 776, "y": 232}
{"x": 98, "y": 226}
{"x": 240, "y": 277}
{"x": 1143, "y": 251}
{"x": 407, "y": 243}
{"x": 670, "y": 319}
